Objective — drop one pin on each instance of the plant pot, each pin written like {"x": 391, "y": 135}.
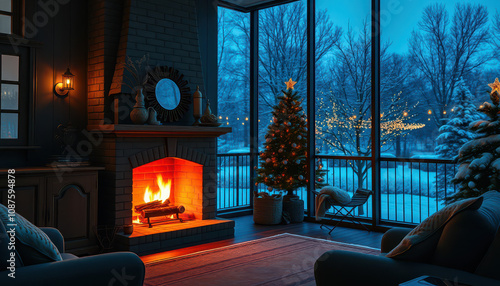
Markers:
{"x": 293, "y": 207}
{"x": 267, "y": 209}
{"x": 128, "y": 229}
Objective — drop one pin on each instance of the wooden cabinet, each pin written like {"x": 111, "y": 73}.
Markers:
{"x": 65, "y": 201}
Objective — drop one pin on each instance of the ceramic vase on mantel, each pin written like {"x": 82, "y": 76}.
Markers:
{"x": 139, "y": 114}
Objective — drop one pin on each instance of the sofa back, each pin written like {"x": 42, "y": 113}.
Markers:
{"x": 490, "y": 264}
{"x": 467, "y": 237}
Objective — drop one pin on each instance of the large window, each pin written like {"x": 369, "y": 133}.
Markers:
{"x": 435, "y": 61}
{"x": 233, "y": 79}
{"x": 14, "y": 96}
{"x": 14, "y": 79}
{"x": 343, "y": 78}
{"x": 343, "y": 93}
{"x": 433, "y": 53}
{"x": 282, "y": 55}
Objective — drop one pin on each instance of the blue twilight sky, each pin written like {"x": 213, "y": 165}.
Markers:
{"x": 398, "y": 17}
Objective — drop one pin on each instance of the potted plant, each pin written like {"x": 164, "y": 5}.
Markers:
{"x": 138, "y": 70}
{"x": 283, "y": 164}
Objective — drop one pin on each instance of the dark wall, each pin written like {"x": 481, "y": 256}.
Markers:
{"x": 172, "y": 33}
{"x": 207, "y": 33}
{"x": 178, "y": 33}
{"x": 61, "y": 31}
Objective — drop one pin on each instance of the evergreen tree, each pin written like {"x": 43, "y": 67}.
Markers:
{"x": 284, "y": 165}
{"x": 479, "y": 158}
{"x": 453, "y": 135}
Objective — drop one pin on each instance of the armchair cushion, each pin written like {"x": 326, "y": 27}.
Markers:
{"x": 338, "y": 267}
{"x": 33, "y": 245}
{"x": 420, "y": 243}
{"x": 467, "y": 236}
{"x": 55, "y": 236}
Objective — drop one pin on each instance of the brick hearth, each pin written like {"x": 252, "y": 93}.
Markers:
{"x": 170, "y": 236}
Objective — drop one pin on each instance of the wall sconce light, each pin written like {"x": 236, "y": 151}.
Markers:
{"x": 62, "y": 89}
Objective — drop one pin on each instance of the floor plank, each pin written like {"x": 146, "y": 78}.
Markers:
{"x": 246, "y": 230}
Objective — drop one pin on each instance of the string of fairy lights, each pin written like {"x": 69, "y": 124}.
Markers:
{"x": 225, "y": 120}
{"x": 395, "y": 120}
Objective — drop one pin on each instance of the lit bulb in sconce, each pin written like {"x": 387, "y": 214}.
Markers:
{"x": 62, "y": 89}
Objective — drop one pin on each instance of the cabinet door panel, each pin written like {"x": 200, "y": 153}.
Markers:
{"x": 29, "y": 198}
{"x": 25, "y": 201}
{"x": 72, "y": 203}
{"x": 71, "y": 213}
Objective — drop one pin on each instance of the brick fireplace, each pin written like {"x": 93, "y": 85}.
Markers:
{"x": 176, "y": 34}
{"x": 135, "y": 156}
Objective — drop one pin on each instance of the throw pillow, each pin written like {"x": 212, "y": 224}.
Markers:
{"x": 32, "y": 244}
{"x": 419, "y": 244}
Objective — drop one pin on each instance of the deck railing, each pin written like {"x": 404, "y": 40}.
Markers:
{"x": 411, "y": 189}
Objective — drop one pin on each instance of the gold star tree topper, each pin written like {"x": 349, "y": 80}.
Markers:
{"x": 495, "y": 87}
{"x": 290, "y": 83}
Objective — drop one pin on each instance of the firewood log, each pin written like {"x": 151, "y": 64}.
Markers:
{"x": 170, "y": 210}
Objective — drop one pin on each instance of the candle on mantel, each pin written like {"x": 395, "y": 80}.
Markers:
{"x": 197, "y": 98}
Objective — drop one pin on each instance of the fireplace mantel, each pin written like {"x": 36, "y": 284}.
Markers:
{"x": 129, "y": 130}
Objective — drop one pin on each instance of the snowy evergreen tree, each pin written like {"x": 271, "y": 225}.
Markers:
{"x": 453, "y": 135}
{"x": 479, "y": 158}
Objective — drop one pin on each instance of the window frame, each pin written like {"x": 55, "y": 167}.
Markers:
{"x": 15, "y": 17}
{"x": 24, "y": 98}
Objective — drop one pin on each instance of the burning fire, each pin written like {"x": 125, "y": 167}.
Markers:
{"x": 161, "y": 195}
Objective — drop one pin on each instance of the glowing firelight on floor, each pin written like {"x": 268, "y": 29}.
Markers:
{"x": 162, "y": 194}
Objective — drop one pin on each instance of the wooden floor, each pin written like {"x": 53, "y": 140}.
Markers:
{"x": 246, "y": 230}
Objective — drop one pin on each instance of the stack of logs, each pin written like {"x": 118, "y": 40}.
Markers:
{"x": 157, "y": 208}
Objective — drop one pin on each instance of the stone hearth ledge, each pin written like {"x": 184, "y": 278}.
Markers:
{"x": 130, "y": 130}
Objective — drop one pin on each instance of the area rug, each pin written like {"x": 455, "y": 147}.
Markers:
{"x": 284, "y": 259}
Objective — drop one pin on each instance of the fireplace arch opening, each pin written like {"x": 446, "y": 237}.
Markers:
{"x": 167, "y": 189}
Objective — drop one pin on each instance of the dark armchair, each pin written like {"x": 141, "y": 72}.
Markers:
{"x": 119, "y": 268}
{"x": 467, "y": 251}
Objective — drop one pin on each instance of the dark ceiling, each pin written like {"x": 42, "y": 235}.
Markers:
{"x": 251, "y": 5}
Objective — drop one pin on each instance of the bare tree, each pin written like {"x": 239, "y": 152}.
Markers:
{"x": 233, "y": 74}
{"x": 443, "y": 51}
{"x": 495, "y": 36}
{"x": 283, "y": 50}
{"x": 344, "y": 117}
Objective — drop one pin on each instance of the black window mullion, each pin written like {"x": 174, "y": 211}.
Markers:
{"x": 311, "y": 94}
{"x": 375, "y": 110}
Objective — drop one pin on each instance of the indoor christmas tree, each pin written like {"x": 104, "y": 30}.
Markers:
{"x": 454, "y": 134}
{"x": 284, "y": 165}
{"x": 479, "y": 158}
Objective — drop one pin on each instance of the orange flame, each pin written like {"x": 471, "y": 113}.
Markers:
{"x": 162, "y": 195}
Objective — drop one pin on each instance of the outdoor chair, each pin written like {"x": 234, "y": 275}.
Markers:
{"x": 359, "y": 198}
